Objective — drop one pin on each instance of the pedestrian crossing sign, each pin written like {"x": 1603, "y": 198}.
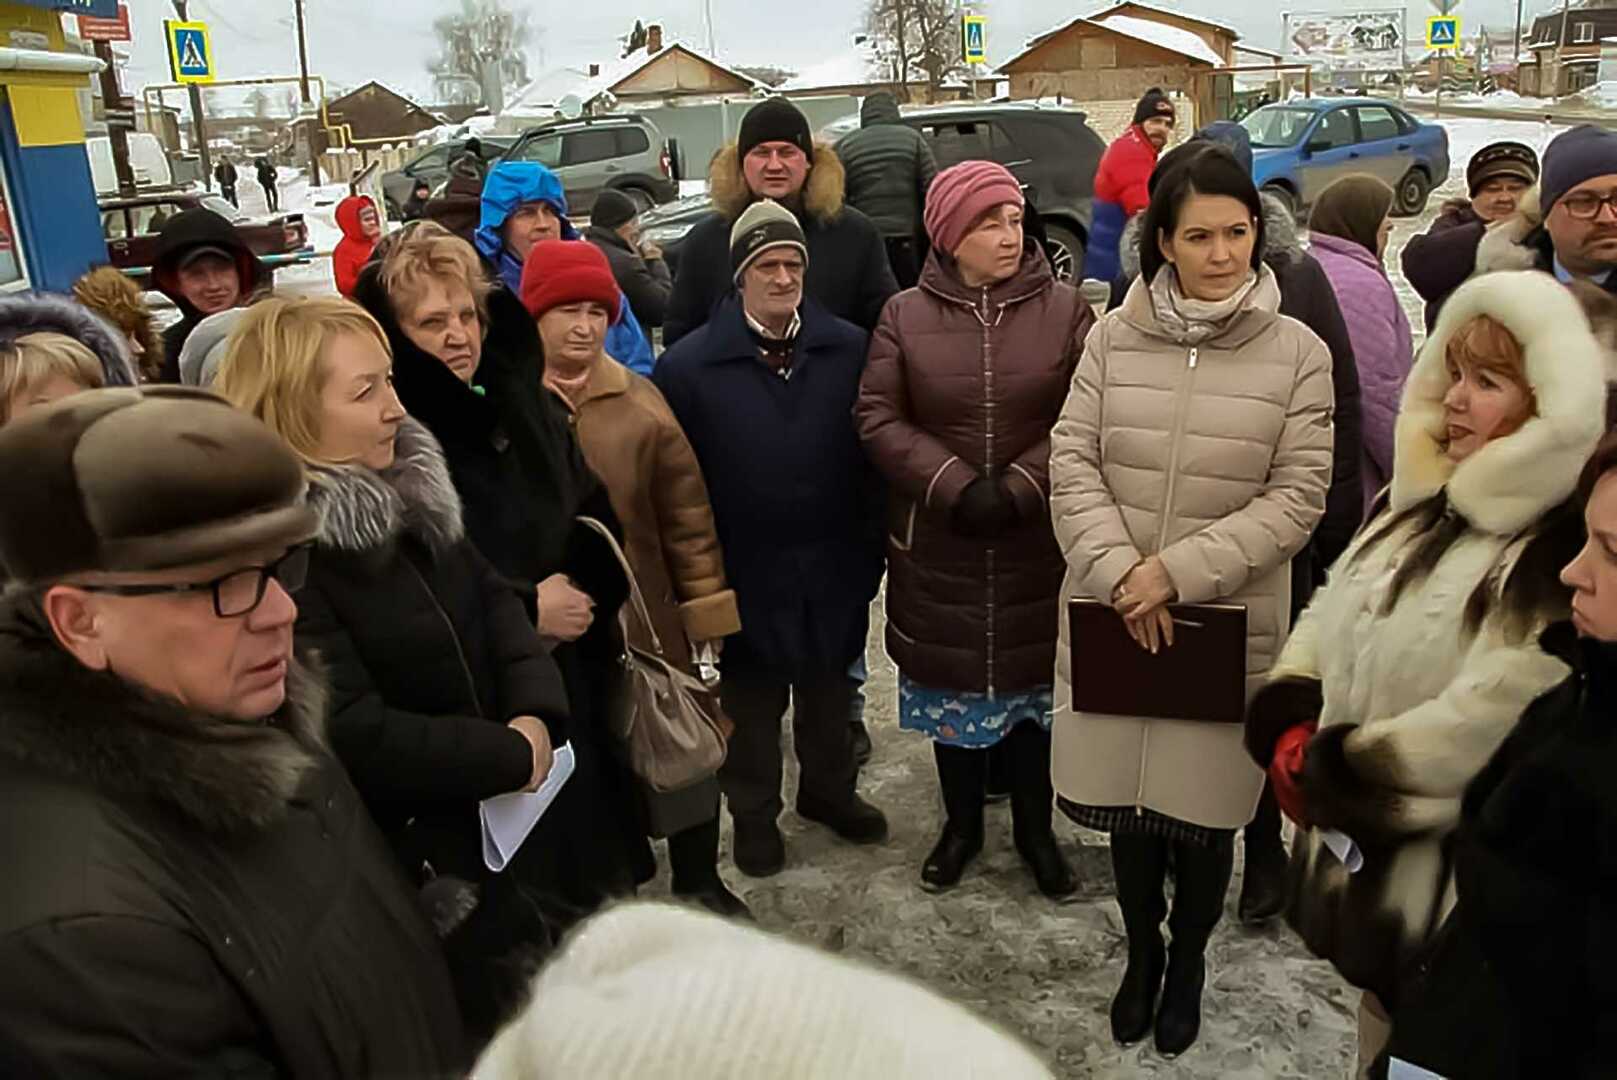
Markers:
{"x": 974, "y": 33}
{"x": 190, "y": 55}
{"x": 1443, "y": 32}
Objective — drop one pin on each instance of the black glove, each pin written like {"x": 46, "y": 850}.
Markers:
{"x": 984, "y": 511}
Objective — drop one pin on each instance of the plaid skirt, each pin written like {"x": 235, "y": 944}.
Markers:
{"x": 1110, "y": 819}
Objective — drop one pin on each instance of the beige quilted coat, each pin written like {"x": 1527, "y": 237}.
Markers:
{"x": 1217, "y": 458}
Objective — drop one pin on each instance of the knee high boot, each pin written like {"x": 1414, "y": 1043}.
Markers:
{"x": 1263, "y": 883}
{"x": 693, "y": 855}
{"x": 1027, "y": 748}
{"x": 1201, "y": 879}
{"x": 961, "y": 775}
{"x": 1139, "y": 865}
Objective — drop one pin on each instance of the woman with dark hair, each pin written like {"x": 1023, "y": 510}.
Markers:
{"x": 1190, "y": 463}
{"x": 1518, "y": 983}
{"x": 1416, "y": 660}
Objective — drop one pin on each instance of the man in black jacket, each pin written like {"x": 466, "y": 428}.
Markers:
{"x": 205, "y": 267}
{"x": 890, "y": 167}
{"x": 776, "y": 158}
{"x": 638, "y": 267}
{"x": 225, "y": 173}
{"x": 193, "y": 886}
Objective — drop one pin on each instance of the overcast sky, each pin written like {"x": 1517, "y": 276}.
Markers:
{"x": 351, "y": 41}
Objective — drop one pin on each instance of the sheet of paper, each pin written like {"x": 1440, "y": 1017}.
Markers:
{"x": 508, "y": 819}
{"x": 1343, "y": 847}
{"x": 1398, "y": 1069}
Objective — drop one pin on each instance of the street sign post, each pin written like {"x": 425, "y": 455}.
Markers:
{"x": 974, "y": 38}
{"x": 190, "y": 55}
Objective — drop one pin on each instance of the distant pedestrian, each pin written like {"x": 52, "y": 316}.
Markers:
{"x": 361, "y": 229}
{"x": 1439, "y": 260}
{"x": 113, "y": 294}
{"x": 890, "y": 167}
{"x": 225, "y": 175}
{"x": 205, "y": 267}
{"x": 415, "y": 207}
{"x": 1121, "y": 180}
{"x": 269, "y": 180}
{"x": 637, "y": 264}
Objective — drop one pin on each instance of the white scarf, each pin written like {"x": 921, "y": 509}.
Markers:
{"x": 1189, "y": 321}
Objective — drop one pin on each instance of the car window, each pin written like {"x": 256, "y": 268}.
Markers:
{"x": 1376, "y": 122}
{"x": 546, "y": 150}
{"x": 1271, "y": 127}
{"x": 436, "y": 158}
{"x": 1335, "y": 130}
{"x": 1406, "y": 123}
{"x": 152, "y": 217}
{"x": 955, "y": 141}
{"x": 631, "y": 141}
{"x": 583, "y": 147}
{"x": 114, "y": 225}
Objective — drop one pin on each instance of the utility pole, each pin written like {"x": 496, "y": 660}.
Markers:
{"x": 120, "y": 117}
{"x": 1516, "y": 48}
{"x": 303, "y": 87}
{"x": 201, "y": 133}
{"x": 1560, "y": 51}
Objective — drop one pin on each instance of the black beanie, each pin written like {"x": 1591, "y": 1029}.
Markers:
{"x": 613, "y": 208}
{"x": 775, "y": 120}
{"x": 1154, "y": 103}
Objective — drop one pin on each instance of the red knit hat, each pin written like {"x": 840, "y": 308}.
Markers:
{"x": 561, "y": 272}
{"x": 961, "y": 195}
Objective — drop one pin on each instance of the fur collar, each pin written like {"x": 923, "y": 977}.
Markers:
{"x": 1281, "y": 241}
{"x": 361, "y": 509}
{"x": 1516, "y": 243}
{"x": 31, "y": 313}
{"x": 1515, "y": 480}
{"x": 94, "y": 730}
{"x": 822, "y": 195}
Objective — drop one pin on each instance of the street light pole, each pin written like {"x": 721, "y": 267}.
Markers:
{"x": 303, "y": 87}
{"x": 201, "y": 135}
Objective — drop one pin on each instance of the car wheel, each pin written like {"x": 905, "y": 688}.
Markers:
{"x": 1412, "y": 192}
{"x": 641, "y": 198}
{"x": 1285, "y": 195}
{"x": 1066, "y": 253}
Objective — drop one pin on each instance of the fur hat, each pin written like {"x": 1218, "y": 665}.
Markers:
{"x": 763, "y": 225}
{"x": 22, "y": 314}
{"x": 561, "y": 272}
{"x": 775, "y": 119}
{"x": 143, "y": 479}
{"x": 1501, "y": 159}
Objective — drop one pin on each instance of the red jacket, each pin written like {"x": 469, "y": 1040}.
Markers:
{"x": 1125, "y": 172}
{"x": 353, "y": 251}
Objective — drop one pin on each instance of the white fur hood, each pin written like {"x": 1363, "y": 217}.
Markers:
{"x": 1512, "y": 481}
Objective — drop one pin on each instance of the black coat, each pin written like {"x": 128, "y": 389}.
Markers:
{"x": 848, "y": 272}
{"x": 1519, "y": 983}
{"x": 1439, "y": 260}
{"x": 889, "y": 169}
{"x": 646, "y": 282}
{"x": 184, "y": 231}
{"x": 798, "y": 506}
{"x": 186, "y": 896}
{"x": 430, "y": 654}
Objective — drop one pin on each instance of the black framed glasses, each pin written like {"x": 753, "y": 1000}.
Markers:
{"x": 1585, "y": 205}
{"x": 235, "y": 594}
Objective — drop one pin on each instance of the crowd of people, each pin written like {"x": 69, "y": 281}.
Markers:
{"x": 292, "y": 597}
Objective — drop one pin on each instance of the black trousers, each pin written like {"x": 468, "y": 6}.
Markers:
{"x": 229, "y": 193}
{"x": 821, "y": 709}
{"x": 272, "y": 195}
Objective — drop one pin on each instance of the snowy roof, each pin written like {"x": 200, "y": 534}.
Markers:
{"x": 1226, "y": 27}
{"x": 552, "y": 86}
{"x": 850, "y": 68}
{"x": 1256, "y": 51}
{"x": 1161, "y": 35}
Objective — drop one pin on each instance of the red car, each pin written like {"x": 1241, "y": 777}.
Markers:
{"x": 131, "y": 225}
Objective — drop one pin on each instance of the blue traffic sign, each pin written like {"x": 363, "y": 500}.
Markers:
{"x": 189, "y": 55}
{"x": 1443, "y": 32}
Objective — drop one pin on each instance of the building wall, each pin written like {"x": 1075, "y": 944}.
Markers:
{"x": 679, "y": 72}
{"x": 1084, "y": 86}
{"x": 373, "y": 112}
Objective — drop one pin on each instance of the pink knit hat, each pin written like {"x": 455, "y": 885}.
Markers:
{"x": 961, "y": 195}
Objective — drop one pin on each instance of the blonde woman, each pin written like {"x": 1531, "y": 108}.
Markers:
{"x": 113, "y": 295}
{"x": 51, "y": 347}
{"x": 442, "y": 695}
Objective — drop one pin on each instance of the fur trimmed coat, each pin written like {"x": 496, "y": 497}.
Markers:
{"x": 1413, "y": 699}
{"x": 848, "y": 272}
{"x": 191, "y": 896}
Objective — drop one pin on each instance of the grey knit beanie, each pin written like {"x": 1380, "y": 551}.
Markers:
{"x": 204, "y": 349}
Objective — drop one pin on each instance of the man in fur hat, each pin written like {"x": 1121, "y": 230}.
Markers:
{"x": 193, "y": 886}
{"x": 776, "y": 157}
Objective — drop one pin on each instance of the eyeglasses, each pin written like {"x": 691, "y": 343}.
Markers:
{"x": 237, "y": 593}
{"x": 1585, "y": 205}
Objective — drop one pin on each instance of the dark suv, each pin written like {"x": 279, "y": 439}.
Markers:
{"x": 594, "y": 153}
{"x": 1050, "y": 149}
{"x": 432, "y": 165}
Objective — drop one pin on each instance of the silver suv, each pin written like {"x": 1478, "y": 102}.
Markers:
{"x": 595, "y": 153}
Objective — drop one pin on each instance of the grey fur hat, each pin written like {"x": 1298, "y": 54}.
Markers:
{"x": 34, "y": 313}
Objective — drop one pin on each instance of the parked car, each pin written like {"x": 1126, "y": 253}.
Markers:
{"x": 131, "y": 226}
{"x": 594, "y": 153}
{"x": 1301, "y": 146}
{"x": 432, "y": 165}
{"x": 1052, "y": 150}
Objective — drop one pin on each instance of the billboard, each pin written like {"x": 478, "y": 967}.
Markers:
{"x": 1367, "y": 40}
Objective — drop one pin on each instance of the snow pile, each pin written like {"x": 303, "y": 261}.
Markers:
{"x": 1602, "y": 95}
{"x": 1164, "y": 37}
{"x": 850, "y": 68}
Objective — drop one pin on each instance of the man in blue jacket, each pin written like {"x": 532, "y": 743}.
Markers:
{"x": 523, "y": 203}
{"x": 765, "y": 390}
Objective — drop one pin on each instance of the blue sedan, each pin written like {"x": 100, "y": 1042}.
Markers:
{"x": 1301, "y": 147}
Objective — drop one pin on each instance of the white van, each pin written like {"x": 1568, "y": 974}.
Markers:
{"x": 146, "y": 158}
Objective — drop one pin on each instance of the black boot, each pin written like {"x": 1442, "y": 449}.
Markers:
{"x": 1201, "y": 879}
{"x": 694, "y": 857}
{"x": 1139, "y": 864}
{"x": 999, "y": 775}
{"x": 960, "y": 777}
{"x": 1263, "y": 883}
{"x": 1027, "y": 750}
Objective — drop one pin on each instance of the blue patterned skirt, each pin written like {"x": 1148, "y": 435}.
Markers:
{"x": 974, "y": 721}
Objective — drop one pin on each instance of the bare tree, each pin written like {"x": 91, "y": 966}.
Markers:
{"x": 483, "y": 48}
{"x": 915, "y": 39}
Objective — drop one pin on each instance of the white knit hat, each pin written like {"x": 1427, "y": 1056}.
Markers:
{"x": 763, "y": 225}
{"x": 650, "y": 990}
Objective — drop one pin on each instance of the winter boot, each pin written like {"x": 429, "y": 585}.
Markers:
{"x": 1027, "y": 749}
{"x": 1201, "y": 879}
{"x": 1139, "y": 864}
{"x": 760, "y": 850}
{"x": 999, "y": 775}
{"x": 694, "y": 856}
{"x": 1263, "y": 884}
{"x": 960, "y": 776}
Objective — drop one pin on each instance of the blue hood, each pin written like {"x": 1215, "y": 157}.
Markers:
{"x": 509, "y": 185}
{"x": 1232, "y": 136}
